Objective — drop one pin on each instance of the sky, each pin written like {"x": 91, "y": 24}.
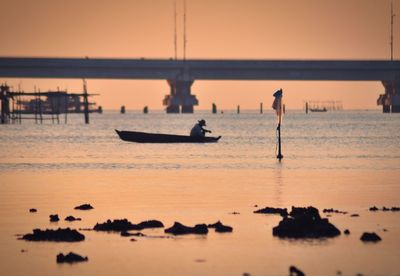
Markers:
{"x": 217, "y": 29}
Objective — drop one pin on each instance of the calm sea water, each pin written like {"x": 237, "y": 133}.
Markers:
{"x": 347, "y": 160}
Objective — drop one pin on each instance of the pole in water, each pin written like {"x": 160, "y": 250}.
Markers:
{"x": 85, "y": 102}
{"x": 277, "y": 105}
{"x": 279, "y": 156}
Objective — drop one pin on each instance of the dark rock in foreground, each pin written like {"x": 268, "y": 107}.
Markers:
{"x": 120, "y": 225}
{"x": 72, "y": 218}
{"x": 180, "y": 229}
{"x": 294, "y": 271}
{"x": 370, "y": 237}
{"x": 59, "y": 235}
{"x": 354, "y": 215}
{"x": 84, "y": 207}
{"x": 54, "y": 218}
{"x": 305, "y": 223}
{"x": 346, "y": 232}
{"x": 70, "y": 258}
{"x": 271, "y": 210}
{"x": 373, "y": 209}
{"x": 220, "y": 228}
{"x": 32, "y": 210}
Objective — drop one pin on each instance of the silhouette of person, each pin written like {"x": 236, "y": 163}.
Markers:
{"x": 198, "y": 130}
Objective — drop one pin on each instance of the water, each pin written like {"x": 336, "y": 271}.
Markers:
{"x": 347, "y": 160}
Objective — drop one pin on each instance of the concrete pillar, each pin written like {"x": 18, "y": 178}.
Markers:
{"x": 5, "y": 104}
{"x": 390, "y": 101}
{"x": 180, "y": 98}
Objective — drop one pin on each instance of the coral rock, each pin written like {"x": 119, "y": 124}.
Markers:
{"x": 54, "y": 218}
{"x": 59, "y": 235}
{"x": 220, "y": 228}
{"x": 305, "y": 223}
{"x": 180, "y": 229}
{"x": 370, "y": 237}
{"x": 271, "y": 210}
{"x": 70, "y": 258}
{"x": 84, "y": 207}
{"x": 72, "y": 218}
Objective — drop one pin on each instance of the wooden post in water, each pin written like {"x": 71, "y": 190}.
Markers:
{"x": 261, "y": 108}
{"x": 85, "y": 102}
{"x": 238, "y": 109}
{"x": 214, "y": 108}
{"x": 40, "y": 108}
{"x": 280, "y": 156}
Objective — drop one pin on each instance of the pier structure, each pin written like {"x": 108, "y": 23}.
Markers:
{"x": 20, "y": 105}
{"x": 181, "y": 74}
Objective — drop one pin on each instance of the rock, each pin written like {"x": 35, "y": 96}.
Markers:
{"x": 72, "y": 218}
{"x": 127, "y": 234}
{"x": 149, "y": 224}
{"x": 120, "y": 225}
{"x": 133, "y": 240}
{"x": 180, "y": 229}
{"x": 370, "y": 237}
{"x": 346, "y": 232}
{"x": 385, "y": 209}
{"x": 84, "y": 207}
{"x": 305, "y": 223}
{"x": 59, "y": 235}
{"x": 32, "y": 210}
{"x": 54, "y": 218}
{"x": 115, "y": 225}
{"x": 220, "y": 228}
{"x": 294, "y": 271}
{"x": 234, "y": 213}
{"x": 354, "y": 215}
{"x": 70, "y": 258}
{"x": 331, "y": 210}
{"x": 271, "y": 210}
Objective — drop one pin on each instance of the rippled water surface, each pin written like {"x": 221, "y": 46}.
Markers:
{"x": 346, "y": 160}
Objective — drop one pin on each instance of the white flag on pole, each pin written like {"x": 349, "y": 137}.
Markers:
{"x": 277, "y": 104}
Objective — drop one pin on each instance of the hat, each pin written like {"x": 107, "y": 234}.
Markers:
{"x": 202, "y": 122}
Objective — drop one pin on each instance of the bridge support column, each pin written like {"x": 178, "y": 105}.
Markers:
{"x": 390, "y": 101}
{"x": 5, "y": 104}
{"x": 180, "y": 98}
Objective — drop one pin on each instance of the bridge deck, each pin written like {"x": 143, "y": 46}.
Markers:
{"x": 102, "y": 68}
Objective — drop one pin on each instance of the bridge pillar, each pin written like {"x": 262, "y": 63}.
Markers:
{"x": 390, "y": 101}
{"x": 180, "y": 98}
{"x": 5, "y": 104}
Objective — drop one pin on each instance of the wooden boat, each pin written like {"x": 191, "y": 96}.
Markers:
{"x": 318, "y": 109}
{"x": 142, "y": 137}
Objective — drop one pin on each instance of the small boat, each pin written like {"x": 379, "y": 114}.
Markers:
{"x": 143, "y": 137}
{"x": 318, "y": 109}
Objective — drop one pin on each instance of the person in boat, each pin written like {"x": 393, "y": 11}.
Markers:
{"x": 198, "y": 130}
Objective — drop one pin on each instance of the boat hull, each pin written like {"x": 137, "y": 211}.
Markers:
{"x": 143, "y": 137}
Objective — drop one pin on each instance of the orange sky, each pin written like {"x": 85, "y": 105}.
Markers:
{"x": 255, "y": 29}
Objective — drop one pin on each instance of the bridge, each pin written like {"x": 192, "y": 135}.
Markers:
{"x": 181, "y": 74}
